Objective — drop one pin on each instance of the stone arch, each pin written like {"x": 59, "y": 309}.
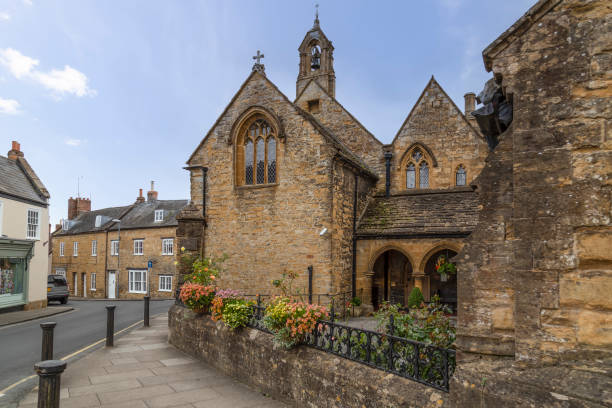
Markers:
{"x": 423, "y": 146}
{"x": 386, "y": 248}
{"x": 453, "y": 246}
{"x": 251, "y": 114}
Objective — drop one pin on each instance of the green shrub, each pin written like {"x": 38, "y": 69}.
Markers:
{"x": 356, "y": 301}
{"x": 416, "y": 298}
{"x": 237, "y": 313}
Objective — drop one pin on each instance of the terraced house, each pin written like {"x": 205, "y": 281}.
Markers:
{"x": 123, "y": 252}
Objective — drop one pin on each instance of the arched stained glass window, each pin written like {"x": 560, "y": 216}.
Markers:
{"x": 248, "y": 162}
{"x": 257, "y": 153}
{"x": 424, "y": 175}
{"x": 461, "y": 176}
{"x": 261, "y": 161}
{"x": 271, "y": 160}
{"x": 410, "y": 176}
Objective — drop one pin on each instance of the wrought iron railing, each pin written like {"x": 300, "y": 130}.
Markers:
{"x": 424, "y": 363}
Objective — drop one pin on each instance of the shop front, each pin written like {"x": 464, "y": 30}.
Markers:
{"x": 15, "y": 258}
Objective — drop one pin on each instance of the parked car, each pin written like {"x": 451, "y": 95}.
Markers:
{"x": 57, "y": 288}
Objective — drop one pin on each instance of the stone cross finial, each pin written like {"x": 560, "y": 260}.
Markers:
{"x": 316, "y": 22}
{"x": 258, "y": 66}
{"x": 258, "y": 57}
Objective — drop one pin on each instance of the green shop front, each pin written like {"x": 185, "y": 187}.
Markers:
{"x": 15, "y": 258}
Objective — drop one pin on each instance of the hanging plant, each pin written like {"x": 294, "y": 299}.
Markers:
{"x": 445, "y": 268}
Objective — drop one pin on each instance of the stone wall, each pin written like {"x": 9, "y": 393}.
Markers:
{"x": 342, "y": 124}
{"x": 304, "y": 377}
{"x": 83, "y": 263}
{"x": 438, "y": 124}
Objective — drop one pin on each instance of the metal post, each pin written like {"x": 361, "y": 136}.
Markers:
{"x": 332, "y": 313}
{"x": 110, "y": 325}
{"x": 146, "y": 310}
{"x": 310, "y": 284}
{"x": 47, "y": 340}
{"x": 49, "y": 373}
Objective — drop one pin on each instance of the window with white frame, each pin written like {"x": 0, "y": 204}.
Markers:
{"x": 159, "y": 215}
{"x": 92, "y": 282}
{"x": 114, "y": 248}
{"x": 94, "y": 248}
{"x": 165, "y": 283}
{"x": 138, "y": 247}
{"x": 168, "y": 246}
{"x": 75, "y": 248}
{"x": 61, "y": 249}
{"x": 33, "y": 230}
{"x": 137, "y": 281}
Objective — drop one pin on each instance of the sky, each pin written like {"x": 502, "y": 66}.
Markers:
{"x": 105, "y": 96}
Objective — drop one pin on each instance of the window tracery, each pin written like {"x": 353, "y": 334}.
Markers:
{"x": 417, "y": 169}
{"x": 257, "y": 152}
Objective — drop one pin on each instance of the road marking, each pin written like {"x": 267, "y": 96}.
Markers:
{"x": 4, "y": 391}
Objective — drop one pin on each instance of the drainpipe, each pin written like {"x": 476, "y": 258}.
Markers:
{"x": 388, "y": 156}
{"x": 354, "y": 277}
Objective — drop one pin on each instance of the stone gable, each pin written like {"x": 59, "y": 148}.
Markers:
{"x": 437, "y": 123}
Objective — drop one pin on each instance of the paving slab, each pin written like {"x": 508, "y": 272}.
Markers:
{"x": 144, "y": 371}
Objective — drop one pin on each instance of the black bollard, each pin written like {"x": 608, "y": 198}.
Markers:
{"x": 47, "y": 340}
{"x": 146, "y": 311}
{"x": 110, "y": 325}
{"x": 49, "y": 373}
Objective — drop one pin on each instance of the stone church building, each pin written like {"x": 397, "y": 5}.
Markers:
{"x": 281, "y": 185}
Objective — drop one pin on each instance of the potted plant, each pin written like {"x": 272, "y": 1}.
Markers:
{"x": 445, "y": 268}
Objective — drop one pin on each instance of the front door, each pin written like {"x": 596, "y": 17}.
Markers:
{"x": 84, "y": 279}
{"x": 76, "y": 285}
{"x": 111, "y": 285}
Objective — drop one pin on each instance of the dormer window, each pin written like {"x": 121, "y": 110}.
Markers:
{"x": 159, "y": 215}
{"x": 98, "y": 221}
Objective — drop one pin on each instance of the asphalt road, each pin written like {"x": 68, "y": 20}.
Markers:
{"x": 20, "y": 344}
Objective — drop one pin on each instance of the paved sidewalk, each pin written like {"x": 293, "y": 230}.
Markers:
{"x": 26, "y": 315}
{"x": 143, "y": 370}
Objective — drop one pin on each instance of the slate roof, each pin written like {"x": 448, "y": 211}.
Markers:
{"x": 138, "y": 215}
{"x": 14, "y": 181}
{"x": 433, "y": 212}
{"x": 142, "y": 215}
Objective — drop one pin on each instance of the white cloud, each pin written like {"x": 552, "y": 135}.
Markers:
{"x": 73, "y": 142}
{"x": 4, "y": 16}
{"x": 68, "y": 80}
{"x": 19, "y": 64}
{"x": 64, "y": 81}
{"x": 9, "y": 106}
{"x": 27, "y": 2}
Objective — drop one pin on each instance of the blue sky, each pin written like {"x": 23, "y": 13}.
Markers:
{"x": 118, "y": 93}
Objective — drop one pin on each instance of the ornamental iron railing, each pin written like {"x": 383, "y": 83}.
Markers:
{"x": 425, "y": 363}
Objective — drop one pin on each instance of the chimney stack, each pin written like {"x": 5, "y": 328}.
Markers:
{"x": 140, "y": 198}
{"x": 15, "y": 151}
{"x": 152, "y": 194}
{"x": 470, "y": 103}
{"x": 78, "y": 206}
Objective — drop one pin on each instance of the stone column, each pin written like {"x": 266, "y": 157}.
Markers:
{"x": 189, "y": 237}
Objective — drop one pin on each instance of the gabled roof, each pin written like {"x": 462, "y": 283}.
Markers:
{"x": 17, "y": 179}
{"x": 431, "y": 82}
{"x": 418, "y": 213}
{"x": 343, "y": 150}
{"x": 535, "y": 13}
{"x": 341, "y": 106}
{"x": 138, "y": 215}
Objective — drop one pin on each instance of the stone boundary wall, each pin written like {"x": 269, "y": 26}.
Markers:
{"x": 303, "y": 377}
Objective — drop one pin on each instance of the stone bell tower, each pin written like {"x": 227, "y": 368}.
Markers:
{"x": 316, "y": 60}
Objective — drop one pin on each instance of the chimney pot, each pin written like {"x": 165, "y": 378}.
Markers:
{"x": 152, "y": 194}
{"x": 15, "y": 151}
{"x": 140, "y": 198}
{"x": 470, "y": 103}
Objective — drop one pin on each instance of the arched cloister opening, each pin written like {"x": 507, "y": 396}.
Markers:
{"x": 392, "y": 278}
{"x": 444, "y": 285}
